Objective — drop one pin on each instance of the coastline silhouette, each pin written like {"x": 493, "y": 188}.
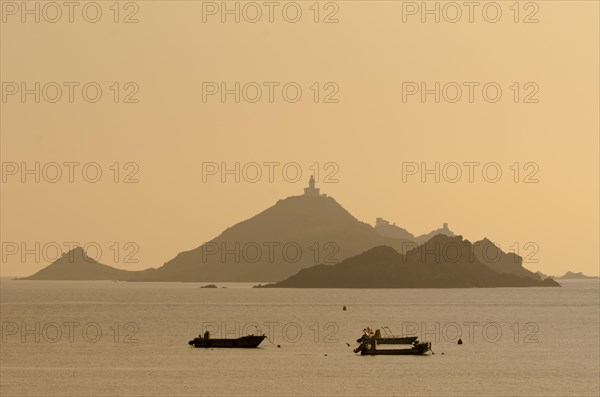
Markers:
{"x": 324, "y": 233}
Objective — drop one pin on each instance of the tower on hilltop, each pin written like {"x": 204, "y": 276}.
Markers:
{"x": 311, "y": 190}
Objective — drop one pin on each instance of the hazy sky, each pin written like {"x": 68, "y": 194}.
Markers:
{"x": 375, "y": 53}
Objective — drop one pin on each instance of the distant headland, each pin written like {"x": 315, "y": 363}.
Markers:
{"x": 575, "y": 276}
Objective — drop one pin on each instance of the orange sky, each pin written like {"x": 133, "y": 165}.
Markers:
{"x": 368, "y": 57}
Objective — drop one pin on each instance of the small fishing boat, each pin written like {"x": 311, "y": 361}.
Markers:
{"x": 370, "y": 340}
{"x": 417, "y": 349}
{"x": 248, "y": 341}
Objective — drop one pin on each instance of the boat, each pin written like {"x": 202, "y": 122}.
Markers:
{"x": 248, "y": 341}
{"x": 418, "y": 348}
{"x": 370, "y": 340}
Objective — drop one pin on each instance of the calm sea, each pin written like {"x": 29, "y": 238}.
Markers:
{"x": 130, "y": 339}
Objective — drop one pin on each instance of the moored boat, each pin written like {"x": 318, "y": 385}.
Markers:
{"x": 417, "y": 349}
{"x": 370, "y": 340}
{"x": 248, "y": 341}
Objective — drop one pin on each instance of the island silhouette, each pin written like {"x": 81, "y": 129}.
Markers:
{"x": 383, "y": 267}
{"x": 308, "y": 232}
{"x": 576, "y": 276}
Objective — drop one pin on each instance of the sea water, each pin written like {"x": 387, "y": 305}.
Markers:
{"x": 64, "y": 338}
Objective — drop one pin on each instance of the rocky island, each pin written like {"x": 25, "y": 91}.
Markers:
{"x": 442, "y": 262}
{"x": 329, "y": 247}
{"x": 576, "y": 276}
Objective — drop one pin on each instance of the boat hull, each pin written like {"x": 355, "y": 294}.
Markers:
{"x": 417, "y": 350}
{"x": 245, "y": 342}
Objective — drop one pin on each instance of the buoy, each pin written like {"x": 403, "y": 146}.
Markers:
{"x": 344, "y": 308}
{"x": 459, "y": 341}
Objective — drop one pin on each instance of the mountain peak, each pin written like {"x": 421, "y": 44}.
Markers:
{"x": 77, "y": 252}
{"x": 77, "y": 265}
